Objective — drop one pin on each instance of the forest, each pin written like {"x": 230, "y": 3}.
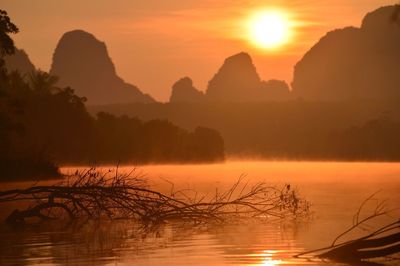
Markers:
{"x": 43, "y": 125}
{"x": 42, "y": 122}
{"x": 289, "y": 130}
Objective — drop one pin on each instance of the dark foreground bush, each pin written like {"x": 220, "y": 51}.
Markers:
{"x": 16, "y": 169}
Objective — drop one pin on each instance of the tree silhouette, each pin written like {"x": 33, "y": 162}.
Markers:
{"x": 6, "y": 27}
{"x": 7, "y": 46}
{"x": 43, "y": 82}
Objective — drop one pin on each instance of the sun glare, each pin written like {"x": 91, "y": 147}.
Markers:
{"x": 269, "y": 29}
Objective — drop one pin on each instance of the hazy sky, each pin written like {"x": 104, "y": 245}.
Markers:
{"x": 153, "y": 43}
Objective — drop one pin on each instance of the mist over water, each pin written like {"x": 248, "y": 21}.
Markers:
{"x": 334, "y": 189}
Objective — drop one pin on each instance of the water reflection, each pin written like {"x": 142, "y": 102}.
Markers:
{"x": 124, "y": 242}
{"x": 336, "y": 191}
{"x": 269, "y": 261}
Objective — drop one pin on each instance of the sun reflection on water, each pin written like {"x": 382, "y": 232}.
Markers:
{"x": 250, "y": 244}
{"x": 269, "y": 260}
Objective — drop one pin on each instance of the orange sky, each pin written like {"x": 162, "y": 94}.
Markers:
{"x": 153, "y": 43}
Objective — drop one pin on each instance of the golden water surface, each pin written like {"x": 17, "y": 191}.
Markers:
{"x": 335, "y": 190}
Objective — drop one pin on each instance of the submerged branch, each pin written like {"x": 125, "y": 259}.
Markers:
{"x": 96, "y": 195}
{"x": 381, "y": 242}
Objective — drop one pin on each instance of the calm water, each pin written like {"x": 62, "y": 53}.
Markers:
{"x": 335, "y": 190}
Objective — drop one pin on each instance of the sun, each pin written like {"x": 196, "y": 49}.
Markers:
{"x": 269, "y": 29}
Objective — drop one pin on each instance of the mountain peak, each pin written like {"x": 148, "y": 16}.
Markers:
{"x": 358, "y": 63}
{"x": 379, "y": 19}
{"x": 236, "y": 80}
{"x": 77, "y": 33}
{"x": 183, "y": 91}
{"x": 239, "y": 57}
{"x": 82, "y": 62}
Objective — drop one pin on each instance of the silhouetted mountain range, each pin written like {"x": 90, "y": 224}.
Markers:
{"x": 276, "y": 90}
{"x": 82, "y": 62}
{"x": 236, "y": 81}
{"x": 19, "y": 62}
{"x": 350, "y": 89}
{"x": 358, "y": 63}
{"x": 353, "y": 63}
{"x": 348, "y": 80}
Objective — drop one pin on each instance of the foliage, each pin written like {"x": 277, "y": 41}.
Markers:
{"x": 28, "y": 166}
{"x": 6, "y": 27}
{"x": 6, "y": 42}
{"x": 38, "y": 117}
{"x": 294, "y": 130}
{"x": 130, "y": 139}
{"x": 41, "y": 122}
{"x": 376, "y": 139}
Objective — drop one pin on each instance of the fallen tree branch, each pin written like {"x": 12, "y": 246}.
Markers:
{"x": 379, "y": 243}
{"x": 94, "y": 195}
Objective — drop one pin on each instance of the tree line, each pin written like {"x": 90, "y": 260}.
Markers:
{"x": 39, "y": 119}
{"x": 289, "y": 130}
{"x": 42, "y": 125}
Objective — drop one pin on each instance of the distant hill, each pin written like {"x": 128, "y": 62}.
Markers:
{"x": 82, "y": 62}
{"x": 353, "y": 63}
{"x": 275, "y": 90}
{"x": 20, "y": 62}
{"x": 238, "y": 81}
{"x": 183, "y": 91}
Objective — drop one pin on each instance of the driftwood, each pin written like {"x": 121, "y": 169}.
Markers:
{"x": 379, "y": 243}
{"x": 94, "y": 195}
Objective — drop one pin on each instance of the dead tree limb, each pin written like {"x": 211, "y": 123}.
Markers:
{"x": 96, "y": 195}
{"x": 379, "y": 243}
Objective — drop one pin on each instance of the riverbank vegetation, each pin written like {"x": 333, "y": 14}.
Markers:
{"x": 43, "y": 125}
{"x": 296, "y": 129}
{"x": 41, "y": 121}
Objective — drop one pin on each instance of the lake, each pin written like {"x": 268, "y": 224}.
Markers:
{"x": 334, "y": 189}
